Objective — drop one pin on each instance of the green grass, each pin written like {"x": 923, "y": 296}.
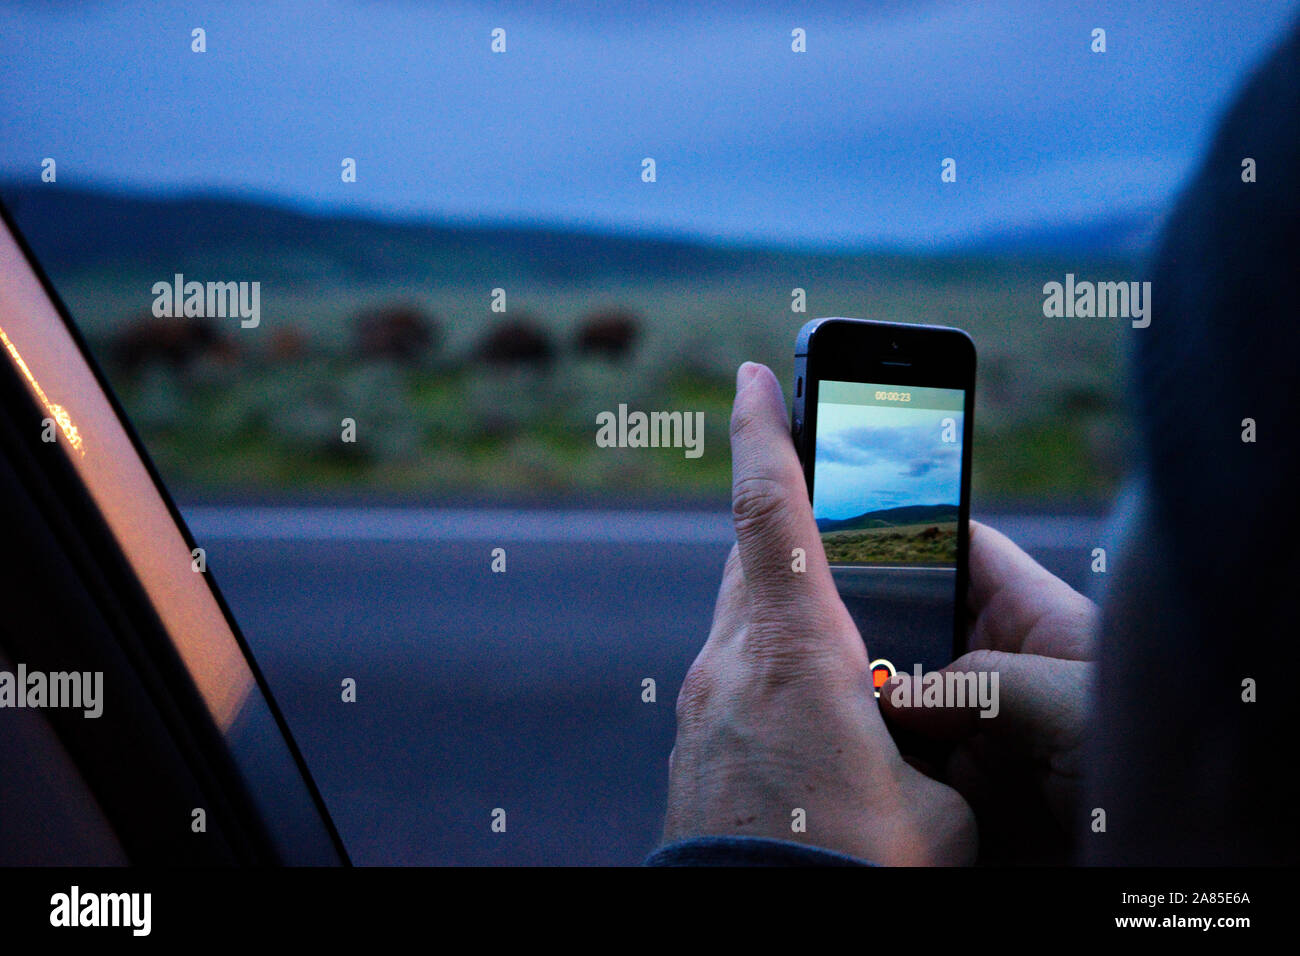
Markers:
{"x": 1048, "y": 420}
{"x": 934, "y": 544}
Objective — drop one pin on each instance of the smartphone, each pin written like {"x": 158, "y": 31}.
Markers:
{"x": 882, "y": 420}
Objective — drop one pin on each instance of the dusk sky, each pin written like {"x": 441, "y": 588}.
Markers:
{"x": 839, "y": 146}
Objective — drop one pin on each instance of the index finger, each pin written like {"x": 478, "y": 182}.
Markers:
{"x": 1018, "y": 605}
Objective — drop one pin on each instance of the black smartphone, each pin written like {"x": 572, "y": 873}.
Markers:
{"x": 882, "y": 420}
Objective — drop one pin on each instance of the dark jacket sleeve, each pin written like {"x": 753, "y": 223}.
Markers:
{"x": 746, "y": 851}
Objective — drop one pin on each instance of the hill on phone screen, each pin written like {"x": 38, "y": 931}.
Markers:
{"x": 890, "y": 518}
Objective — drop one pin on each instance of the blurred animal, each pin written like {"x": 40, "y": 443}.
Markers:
{"x": 400, "y": 332}
{"x": 517, "y": 341}
{"x": 610, "y": 333}
{"x": 287, "y": 343}
{"x": 177, "y": 342}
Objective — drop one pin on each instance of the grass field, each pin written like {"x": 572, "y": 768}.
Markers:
{"x": 1048, "y": 422}
{"x": 903, "y": 544}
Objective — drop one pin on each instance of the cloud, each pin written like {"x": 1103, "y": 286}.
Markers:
{"x": 900, "y": 461}
{"x": 911, "y": 450}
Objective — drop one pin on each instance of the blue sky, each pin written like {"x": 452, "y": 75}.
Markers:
{"x": 873, "y": 457}
{"x": 840, "y": 146}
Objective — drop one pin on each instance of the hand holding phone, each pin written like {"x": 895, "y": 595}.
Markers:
{"x": 777, "y": 733}
{"x": 882, "y": 422}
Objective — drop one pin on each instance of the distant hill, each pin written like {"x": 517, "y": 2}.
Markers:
{"x": 890, "y": 518}
{"x": 72, "y": 229}
{"x": 1131, "y": 233}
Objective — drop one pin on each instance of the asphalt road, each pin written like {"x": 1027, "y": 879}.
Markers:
{"x": 479, "y": 690}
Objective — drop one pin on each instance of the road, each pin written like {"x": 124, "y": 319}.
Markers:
{"x": 478, "y": 690}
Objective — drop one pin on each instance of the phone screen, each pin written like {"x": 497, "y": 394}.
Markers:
{"x": 887, "y": 499}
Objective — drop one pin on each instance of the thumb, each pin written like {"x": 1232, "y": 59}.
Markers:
{"x": 1039, "y": 702}
{"x": 769, "y": 498}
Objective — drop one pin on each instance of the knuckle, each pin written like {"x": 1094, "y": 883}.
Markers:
{"x": 755, "y": 501}
{"x": 983, "y": 659}
{"x": 778, "y": 658}
{"x": 696, "y": 691}
{"x": 743, "y": 421}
